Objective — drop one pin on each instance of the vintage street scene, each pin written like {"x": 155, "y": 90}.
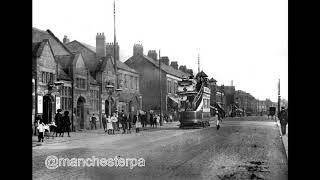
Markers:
{"x": 159, "y": 90}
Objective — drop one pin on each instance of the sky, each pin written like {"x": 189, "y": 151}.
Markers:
{"x": 244, "y": 41}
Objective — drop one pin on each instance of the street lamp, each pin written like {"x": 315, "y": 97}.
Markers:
{"x": 110, "y": 90}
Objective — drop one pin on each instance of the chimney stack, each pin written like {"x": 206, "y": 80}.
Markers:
{"x": 174, "y": 64}
{"x": 153, "y": 54}
{"x": 65, "y": 39}
{"x": 183, "y": 68}
{"x": 165, "y": 60}
{"x": 100, "y": 45}
{"x": 137, "y": 49}
{"x": 109, "y": 50}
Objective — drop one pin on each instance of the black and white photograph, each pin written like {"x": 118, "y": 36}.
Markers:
{"x": 160, "y": 89}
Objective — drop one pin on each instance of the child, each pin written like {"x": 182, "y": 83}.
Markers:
{"x": 41, "y": 129}
{"x": 109, "y": 125}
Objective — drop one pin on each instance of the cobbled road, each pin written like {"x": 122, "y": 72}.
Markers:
{"x": 243, "y": 148}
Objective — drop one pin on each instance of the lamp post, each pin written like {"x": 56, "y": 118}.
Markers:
{"x": 110, "y": 90}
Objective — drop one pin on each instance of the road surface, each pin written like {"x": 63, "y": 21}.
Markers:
{"x": 243, "y": 148}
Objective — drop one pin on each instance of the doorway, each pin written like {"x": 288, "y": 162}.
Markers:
{"x": 107, "y": 104}
{"x": 47, "y": 109}
{"x": 80, "y": 111}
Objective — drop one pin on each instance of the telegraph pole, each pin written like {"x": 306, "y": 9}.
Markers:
{"x": 114, "y": 43}
{"x": 160, "y": 90}
{"x": 279, "y": 99}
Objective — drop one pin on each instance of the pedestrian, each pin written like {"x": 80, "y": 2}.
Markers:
{"x": 157, "y": 120}
{"x": 66, "y": 123}
{"x": 151, "y": 120}
{"x": 129, "y": 122}
{"x": 117, "y": 127}
{"x": 36, "y": 123}
{"x": 104, "y": 122}
{"x": 114, "y": 121}
{"x": 138, "y": 123}
{"x": 218, "y": 116}
{"x": 109, "y": 125}
{"x": 123, "y": 122}
{"x": 283, "y": 116}
{"x": 93, "y": 122}
{"x": 41, "y": 129}
{"x": 58, "y": 122}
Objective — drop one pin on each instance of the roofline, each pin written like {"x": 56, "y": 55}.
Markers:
{"x": 82, "y": 45}
{"x": 57, "y": 39}
{"x": 157, "y": 67}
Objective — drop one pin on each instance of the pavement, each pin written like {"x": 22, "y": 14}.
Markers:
{"x": 284, "y": 138}
{"x": 91, "y": 134}
{"x": 240, "y": 149}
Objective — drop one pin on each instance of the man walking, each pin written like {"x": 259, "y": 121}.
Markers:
{"x": 104, "y": 122}
{"x": 93, "y": 122}
{"x": 283, "y": 117}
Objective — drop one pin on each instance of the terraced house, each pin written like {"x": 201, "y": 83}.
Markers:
{"x": 148, "y": 67}
{"x": 81, "y": 79}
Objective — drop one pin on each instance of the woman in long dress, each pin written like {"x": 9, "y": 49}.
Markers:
{"x": 138, "y": 123}
{"x": 109, "y": 125}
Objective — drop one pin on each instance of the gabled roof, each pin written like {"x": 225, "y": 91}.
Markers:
{"x": 202, "y": 74}
{"x": 92, "y": 80}
{"x": 87, "y": 46}
{"x": 101, "y": 62}
{"x": 62, "y": 75}
{"x": 212, "y": 80}
{"x": 168, "y": 69}
{"x": 123, "y": 66}
{"x": 37, "y": 48}
{"x": 56, "y": 45}
{"x": 65, "y": 61}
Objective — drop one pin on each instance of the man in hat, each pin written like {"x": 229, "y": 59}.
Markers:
{"x": 283, "y": 117}
{"x": 58, "y": 122}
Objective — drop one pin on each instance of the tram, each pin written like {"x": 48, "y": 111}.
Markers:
{"x": 194, "y": 95}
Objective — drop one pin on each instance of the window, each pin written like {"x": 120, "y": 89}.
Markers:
{"x": 125, "y": 81}
{"x": 175, "y": 87}
{"x": 46, "y": 77}
{"x": 137, "y": 83}
{"x": 94, "y": 100}
{"x": 66, "y": 100}
{"x": 81, "y": 83}
{"x": 168, "y": 86}
{"x": 132, "y": 83}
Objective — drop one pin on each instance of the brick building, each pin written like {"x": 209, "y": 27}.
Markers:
{"x": 148, "y": 67}
{"x": 84, "y": 71}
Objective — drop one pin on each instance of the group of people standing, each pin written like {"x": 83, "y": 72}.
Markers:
{"x": 154, "y": 120}
{"x": 127, "y": 122}
{"x": 60, "y": 125}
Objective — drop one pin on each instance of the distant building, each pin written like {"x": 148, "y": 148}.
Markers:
{"x": 148, "y": 67}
